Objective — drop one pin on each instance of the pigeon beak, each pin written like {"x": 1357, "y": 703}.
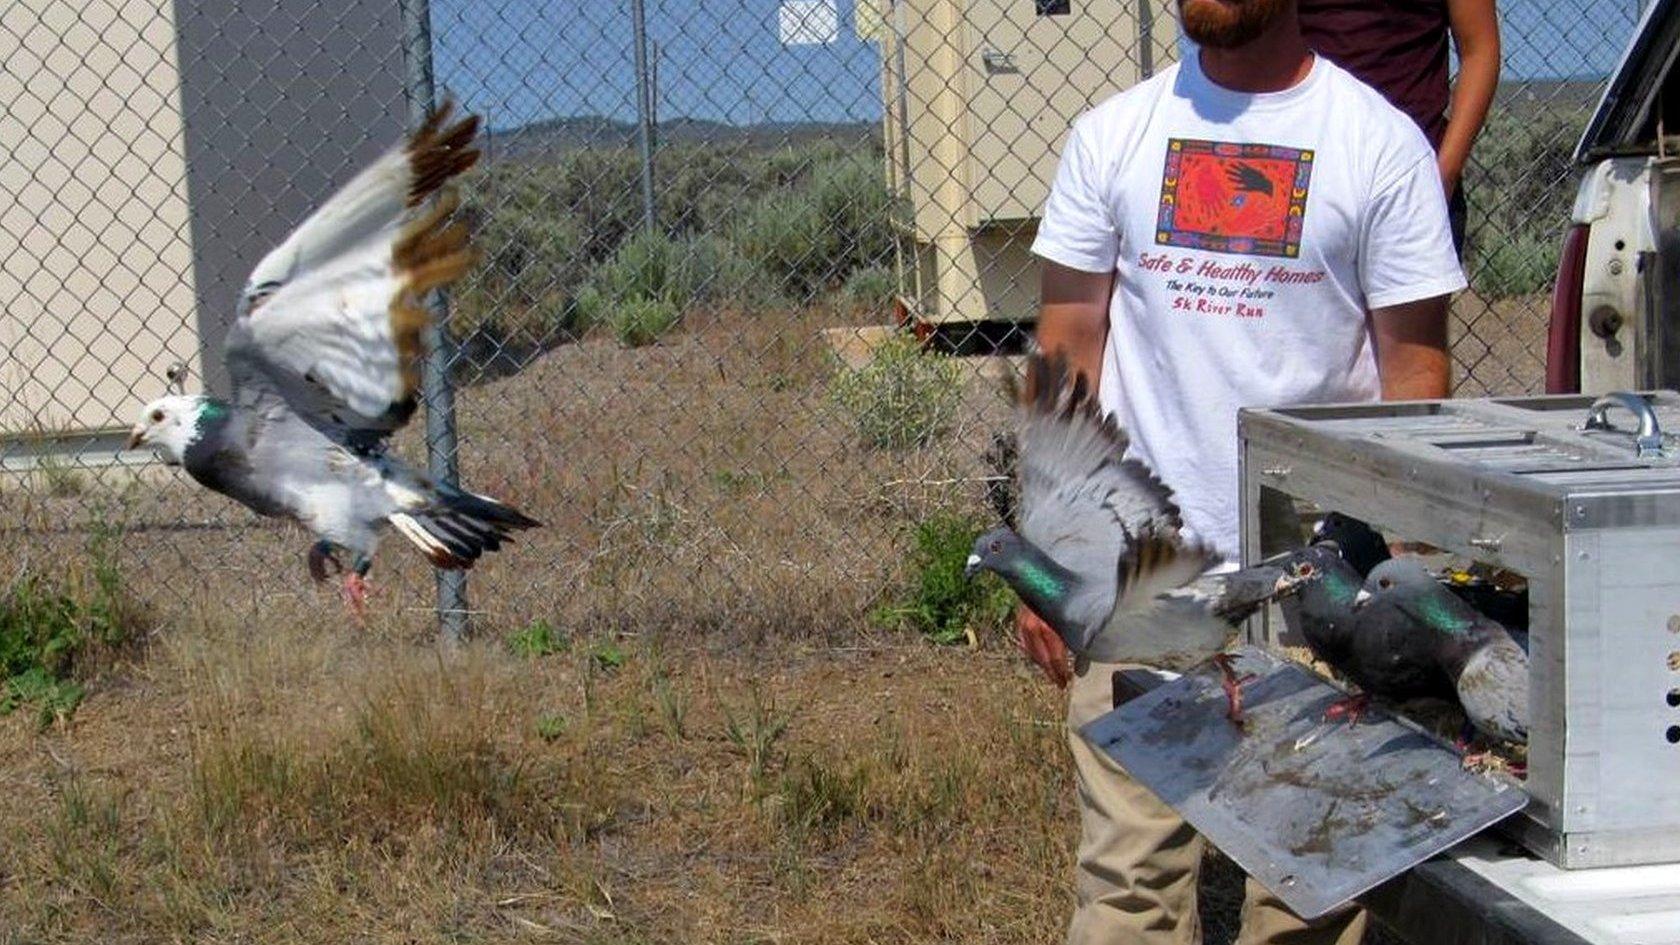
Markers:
{"x": 971, "y": 567}
{"x": 136, "y": 437}
{"x": 1360, "y": 598}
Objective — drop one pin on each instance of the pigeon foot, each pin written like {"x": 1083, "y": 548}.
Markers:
{"x": 1232, "y": 684}
{"x": 1352, "y": 708}
{"x": 355, "y": 597}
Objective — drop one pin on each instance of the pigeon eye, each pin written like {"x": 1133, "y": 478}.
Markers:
{"x": 1385, "y": 583}
{"x": 157, "y": 416}
{"x": 1303, "y": 569}
{"x": 995, "y": 547}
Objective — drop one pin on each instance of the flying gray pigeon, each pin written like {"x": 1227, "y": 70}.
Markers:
{"x": 324, "y": 359}
{"x": 1097, "y": 553}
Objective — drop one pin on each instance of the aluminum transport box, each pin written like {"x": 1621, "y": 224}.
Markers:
{"x": 1582, "y": 497}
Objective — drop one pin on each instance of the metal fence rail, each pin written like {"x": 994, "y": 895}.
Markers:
{"x": 695, "y": 220}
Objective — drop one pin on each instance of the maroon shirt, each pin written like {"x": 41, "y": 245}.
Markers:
{"x": 1398, "y": 47}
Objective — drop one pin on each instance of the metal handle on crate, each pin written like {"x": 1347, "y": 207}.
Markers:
{"x": 1649, "y": 440}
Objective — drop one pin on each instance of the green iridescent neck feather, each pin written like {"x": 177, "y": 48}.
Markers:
{"x": 1039, "y": 582}
{"x": 1340, "y": 589}
{"x": 1444, "y": 618}
{"x": 212, "y": 414}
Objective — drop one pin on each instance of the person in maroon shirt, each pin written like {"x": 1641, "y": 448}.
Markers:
{"x": 1399, "y": 48}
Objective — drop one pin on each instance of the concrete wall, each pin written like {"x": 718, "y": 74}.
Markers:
{"x": 151, "y": 151}
{"x": 96, "y": 270}
{"x": 284, "y": 100}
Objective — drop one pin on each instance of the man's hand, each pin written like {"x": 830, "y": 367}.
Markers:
{"x": 1043, "y": 646}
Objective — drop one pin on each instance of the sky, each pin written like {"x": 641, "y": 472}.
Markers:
{"x": 524, "y": 60}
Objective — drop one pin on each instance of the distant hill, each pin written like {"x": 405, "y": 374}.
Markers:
{"x": 556, "y": 136}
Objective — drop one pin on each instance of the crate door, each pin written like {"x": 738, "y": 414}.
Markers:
{"x": 1034, "y": 66}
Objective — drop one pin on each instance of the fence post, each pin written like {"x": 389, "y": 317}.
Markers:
{"x": 644, "y": 112}
{"x": 435, "y": 386}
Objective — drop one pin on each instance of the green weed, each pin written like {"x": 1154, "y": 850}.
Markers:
{"x": 608, "y": 655}
{"x": 755, "y": 730}
{"x": 551, "y": 727}
{"x": 539, "y": 638}
{"x": 49, "y": 627}
{"x": 811, "y": 238}
{"x": 871, "y": 288}
{"x": 937, "y": 600}
{"x": 638, "y": 322}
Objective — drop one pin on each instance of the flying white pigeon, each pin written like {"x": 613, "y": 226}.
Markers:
{"x": 1097, "y": 552}
{"x": 325, "y": 358}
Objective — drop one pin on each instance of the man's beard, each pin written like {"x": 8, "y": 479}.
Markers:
{"x": 1226, "y": 24}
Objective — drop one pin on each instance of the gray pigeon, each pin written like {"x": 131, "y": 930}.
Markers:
{"x": 1416, "y": 633}
{"x": 1324, "y": 608}
{"x": 1097, "y": 552}
{"x": 324, "y": 359}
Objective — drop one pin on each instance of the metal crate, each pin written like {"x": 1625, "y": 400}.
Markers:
{"x": 1589, "y": 512}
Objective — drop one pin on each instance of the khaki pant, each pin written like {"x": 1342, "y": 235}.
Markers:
{"x": 1136, "y": 878}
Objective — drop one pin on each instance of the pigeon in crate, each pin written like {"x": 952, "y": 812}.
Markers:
{"x": 1096, "y": 550}
{"x": 1360, "y": 545}
{"x": 324, "y": 358}
{"x": 1324, "y": 607}
{"x": 1401, "y": 634}
{"x": 1416, "y": 634}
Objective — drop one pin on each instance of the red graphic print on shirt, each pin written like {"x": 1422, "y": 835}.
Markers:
{"x": 1234, "y": 198}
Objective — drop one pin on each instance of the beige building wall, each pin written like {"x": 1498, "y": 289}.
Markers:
{"x": 978, "y": 97}
{"x": 96, "y": 273}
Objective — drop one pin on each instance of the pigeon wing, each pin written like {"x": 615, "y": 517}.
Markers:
{"x": 1164, "y": 615}
{"x": 332, "y": 318}
{"x": 1080, "y": 500}
{"x": 1493, "y": 688}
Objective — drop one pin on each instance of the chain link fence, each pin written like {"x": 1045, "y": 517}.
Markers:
{"x": 703, "y": 225}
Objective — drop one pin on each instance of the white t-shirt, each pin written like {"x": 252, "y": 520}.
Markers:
{"x": 1251, "y": 234}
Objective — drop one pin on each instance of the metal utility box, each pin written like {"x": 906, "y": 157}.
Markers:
{"x": 979, "y": 95}
{"x": 1589, "y": 513}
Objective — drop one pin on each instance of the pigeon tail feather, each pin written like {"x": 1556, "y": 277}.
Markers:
{"x": 460, "y": 528}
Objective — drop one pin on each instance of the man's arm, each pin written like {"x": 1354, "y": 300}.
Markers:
{"x": 1073, "y": 323}
{"x": 1475, "y": 33}
{"x": 1073, "y": 316}
{"x": 1411, "y": 347}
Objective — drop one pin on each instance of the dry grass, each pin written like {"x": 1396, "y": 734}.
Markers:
{"x": 314, "y": 785}
{"x": 718, "y": 747}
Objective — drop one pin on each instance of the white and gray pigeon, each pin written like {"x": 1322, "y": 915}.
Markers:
{"x": 1096, "y": 551}
{"x": 324, "y": 358}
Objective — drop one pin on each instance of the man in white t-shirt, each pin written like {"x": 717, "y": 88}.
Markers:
{"x": 1251, "y": 227}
